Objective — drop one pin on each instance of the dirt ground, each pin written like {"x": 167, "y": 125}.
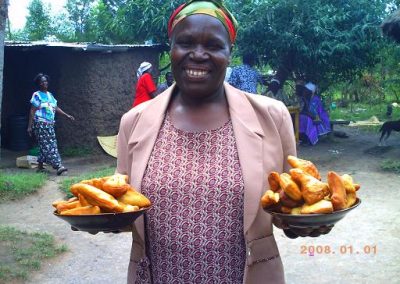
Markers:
{"x": 364, "y": 247}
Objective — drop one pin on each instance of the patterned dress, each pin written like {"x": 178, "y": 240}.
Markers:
{"x": 195, "y": 227}
{"x": 245, "y": 78}
{"x": 43, "y": 127}
{"x": 318, "y": 127}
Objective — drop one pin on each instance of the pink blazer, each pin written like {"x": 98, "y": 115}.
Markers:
{"x": 264, "y": 136}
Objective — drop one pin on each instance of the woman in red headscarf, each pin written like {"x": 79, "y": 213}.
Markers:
{"x": 200, "y": 153}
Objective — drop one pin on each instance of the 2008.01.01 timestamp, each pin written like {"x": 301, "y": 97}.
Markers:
{"x": 312, "y": 250}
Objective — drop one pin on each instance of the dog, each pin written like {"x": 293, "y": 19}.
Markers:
{"x": 387, "y": 129}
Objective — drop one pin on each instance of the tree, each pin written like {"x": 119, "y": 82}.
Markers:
{"x": 79, "y": 14}
{"x": 38, "y": 22}
{"x": 320, "y": 40}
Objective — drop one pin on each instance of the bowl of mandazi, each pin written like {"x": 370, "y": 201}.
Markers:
{"x": 103, "y": 222}
{"x": 312, "y": 220}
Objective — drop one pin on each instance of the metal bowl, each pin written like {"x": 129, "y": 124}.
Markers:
{"x": 312, "y": 220}
{"x": 104, "y": 222}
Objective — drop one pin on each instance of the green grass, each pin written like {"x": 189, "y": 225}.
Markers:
{"x": 360, "y": 111}
{"x": 391, "y": 166}
{"x": 66, "y": 183}
{"x": 17, "y": 185}
{"x": 22, "y": 252}
{"x": 76, "y": 152}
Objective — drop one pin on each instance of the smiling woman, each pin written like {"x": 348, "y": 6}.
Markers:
{"x": 200, "y": 152}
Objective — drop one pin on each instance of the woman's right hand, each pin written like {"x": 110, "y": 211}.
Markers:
{"x": 29, "y": 130}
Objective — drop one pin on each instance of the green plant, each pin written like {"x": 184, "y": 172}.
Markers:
{"x": 76, "y": 152}
{"x": 16, "y": 185}
{"x": 66, "y": 183}
{"x": 23, "y": 252}
{"x": 391, "y": 165}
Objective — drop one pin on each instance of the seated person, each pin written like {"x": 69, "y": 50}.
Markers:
{"x": 314, "y": 120}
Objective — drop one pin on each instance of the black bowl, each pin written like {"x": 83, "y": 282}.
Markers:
{"x": 104, "y": 222}
{"x": 313, "y": 220}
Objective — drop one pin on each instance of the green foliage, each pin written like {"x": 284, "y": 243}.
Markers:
{"x": 14, "y": 186}
{"x": 23, "y": 252}
{"x": 79, "y": 15}
{"x": 76, "y": 152}
{"x": 66, "y": 183}
{"x": 391, "y": 165}
{"x": 319, "y": 40}
{"x": 38, "y": 22}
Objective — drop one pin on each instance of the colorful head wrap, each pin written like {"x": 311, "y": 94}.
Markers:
{"x": 212, "y": 8}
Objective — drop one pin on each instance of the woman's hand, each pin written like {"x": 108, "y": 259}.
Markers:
{"x": 294, "y": 232}
{"x": 70, "y": 117}
{"x": 29, "y": 130}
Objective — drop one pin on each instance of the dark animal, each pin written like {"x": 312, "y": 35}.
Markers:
{"x": 387, "y": 128}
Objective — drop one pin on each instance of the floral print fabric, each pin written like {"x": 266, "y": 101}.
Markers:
{"x": 46, "y": 137}
{"x": 194, "y": 230}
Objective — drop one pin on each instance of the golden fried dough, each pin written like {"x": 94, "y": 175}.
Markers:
{"x": 348, "y": 183}
{"x": 312, "y": 189}
{"x": 67, "y": 205}
{"x": 83, "y": 200}
{"x": 273, "y": 180}
{"x": 321, "y": 207}
{"x": 57, "y": 202}
{"x": 134, "y": 198}
{"x": 269, "y": 198}
{"x": 116, "y": 185}
{"x": 96, "y": 196}
{"x": 290, "y": 187}
{"x": 351, "y": 199}
{"x": 296, "y": 211}
{"x": 287, "y": 201}
{"x": 85, "y": 210}
{"x": 338, "y": 190}
{"x": 96, "y": 182}
{"x": 304, "y": 165}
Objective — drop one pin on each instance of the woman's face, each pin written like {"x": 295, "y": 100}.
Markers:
{"x": 200, "y": 54}
{"x": 43, "y": 84}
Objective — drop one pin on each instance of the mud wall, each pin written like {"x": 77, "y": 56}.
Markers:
{"x": 97, "y": 88}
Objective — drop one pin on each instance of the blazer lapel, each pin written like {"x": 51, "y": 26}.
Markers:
{"x": 145, "y": 134}
{"x": 248, "y": 133}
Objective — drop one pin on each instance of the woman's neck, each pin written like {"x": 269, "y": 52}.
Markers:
{"x": 199, "y": 114}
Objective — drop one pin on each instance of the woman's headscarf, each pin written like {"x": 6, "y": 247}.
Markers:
{"x": 311, "y": 87}
{"x": 212, "y": 8}
{"x": 144, "y": 66}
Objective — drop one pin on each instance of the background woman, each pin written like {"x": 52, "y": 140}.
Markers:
{"x": 42, "y": 120}
{"x": 201, "y": 153}
{"x": 314, "y": 120}
{"x": 145, "y": 87}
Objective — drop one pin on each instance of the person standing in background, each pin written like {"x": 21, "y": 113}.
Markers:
{"x": 245, "y": 77}
{"x": 169, "y": 80}
{"x": 145, "y": 87}
{"x": 41, "y": 121}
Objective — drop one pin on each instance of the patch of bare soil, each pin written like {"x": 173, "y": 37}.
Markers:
{"x": 362, "y": 248}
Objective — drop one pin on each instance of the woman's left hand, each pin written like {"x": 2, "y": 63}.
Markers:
{"x": 70, "y": 117}
{"x": 294, "y": 232}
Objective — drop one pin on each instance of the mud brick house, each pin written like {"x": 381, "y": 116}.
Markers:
{"x": 93, "y": 82}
